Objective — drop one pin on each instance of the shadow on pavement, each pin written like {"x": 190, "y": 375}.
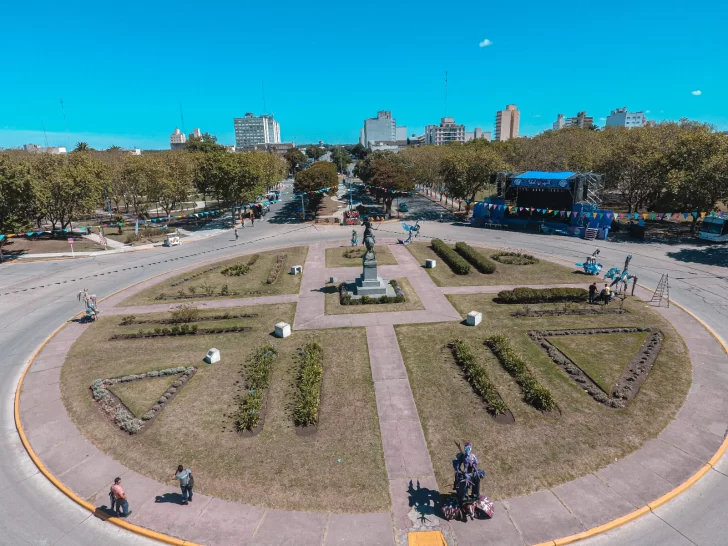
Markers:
{"x": 289, "y": 213}
{"x": 425, "y": 501}
{"x": 712, "y": 255}
{"x": 175, "y": 498}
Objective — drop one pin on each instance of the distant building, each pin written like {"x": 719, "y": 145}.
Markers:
{"x": 478, "y": 133}
{"x": 253, "y": 130}
{"x": 196, "y": 133}
{"x": 382, "y": 128}
{"x": 401, "y": 133}
{"x": 448, "y": 131}
{"x": 135, "y": 151}
{"x": 37, "y": 149}
{"x": 581, "y": 120}
{"x": 177, "y": 140}
{"x": 507, "y": 123}
{"x": 621, "y": 118}
{"x": 385, "y": 145}
{"x": 279, "y": 148}
{"x": 559, "y": 123}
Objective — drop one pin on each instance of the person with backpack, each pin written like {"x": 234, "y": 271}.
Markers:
{"x": 186, "y": 483}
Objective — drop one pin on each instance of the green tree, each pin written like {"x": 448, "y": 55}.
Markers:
{"x": 16, "y": 194}
{"x": 204, "y": 143}
{"x": 82, "y": 147}
{"x": 315, "y": 152}
{"x": 319, "y": 176}
{"x": 296, "y": 160}
{"x": 424, "y": 164}
{"x": 387, "y": 174}
{"x": 466, "y": 170}
{"x": 175, "y": 181}
{"x": 341, "y": 158}
{"x": 359, "y": 151}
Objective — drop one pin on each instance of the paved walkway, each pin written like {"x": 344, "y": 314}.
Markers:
{"x": 663, "y": 463}
{"x": 111, "y": 243}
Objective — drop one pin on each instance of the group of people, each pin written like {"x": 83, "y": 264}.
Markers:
{"x": 120, "y": 505}
{"x": 605, "y": 295}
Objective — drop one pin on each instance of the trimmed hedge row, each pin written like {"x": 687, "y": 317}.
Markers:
{"x": 514, "y": 258}
{"x": 479, "y": 261}
{"x": 477, "y": 377}
{"x": 179, "y": 330}
{"x": 450, "y": 257}
{"x": 310, "y": 373}
{"x": 542, "y": 295}
{"x": 258, "y": 370}
{"x": 534, "y": 393}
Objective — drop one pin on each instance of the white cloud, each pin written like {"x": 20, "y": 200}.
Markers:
{"x": 647, "y": 111}
{"x": 485, "y": 43}
{"x": 537, "y": 115}
{"x": 697, "y": 92}
{"x": 602, "y": 119}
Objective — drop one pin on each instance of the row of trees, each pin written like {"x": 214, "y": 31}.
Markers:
{"x": 61, "y": 188}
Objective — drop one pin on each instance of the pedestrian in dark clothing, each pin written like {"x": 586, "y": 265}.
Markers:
{"x": 185, "y": 482}
{"x": 592, "y": 292}
{"x": 252, "y": 217}
{"x": 236, "y": 234}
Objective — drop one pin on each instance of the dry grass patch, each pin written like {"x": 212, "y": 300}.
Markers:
{"x": 411, "y": 302}
{"x": 536, "y": 451}
{"x": 335, "y": 257}
{"x": 603, "y": 357}
{"x": 542, "y": 272}
{"x": 252, "y": 284}
{"x": 139, "y": 396}
{"x": 276, "y": 468}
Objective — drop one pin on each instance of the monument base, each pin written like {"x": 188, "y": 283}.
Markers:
{"x": 380, "y": 288}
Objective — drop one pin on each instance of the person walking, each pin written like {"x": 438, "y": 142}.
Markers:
{"x": 119, "y": 497}
{"x": 236, "y": 234}
{"x": 607, "y": 294}
{"x": 186, "y": 483}
{"x": 592, "y": 292}
{"x": 252, "y": 217}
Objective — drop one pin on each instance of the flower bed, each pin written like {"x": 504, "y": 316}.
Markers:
{"x": 450, "y": 257}
{"x": 479, "y": 261}
{"x": 310, "y": 374}
{"x": 345, "y": 297}
{"x": 131, "y": 319}
{"x": 535, "y": 313}
{"x": 542, "y": 295}
{"x": 478, "y": 378}
{"x": 276, "y": 269}
{"x": 239, "y": 270}
{"x": 224, "y": 293}
{"x": 179, "y": 330}
{"x": 534, "y": 393}
{"x": 120, "y": 414}
{"x": 195, "y": 275}
{"x": 514, "y": 258}
{"x": 257, "y": 372}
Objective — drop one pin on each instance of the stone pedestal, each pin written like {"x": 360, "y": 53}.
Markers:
{"x": 212, "y": 356}
{"x": 474, "y": 318}
{"x": 282, "y": 329}
{"x": 369, "y": 282}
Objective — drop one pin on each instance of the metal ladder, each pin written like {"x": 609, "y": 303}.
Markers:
{"x": 662, "y": 291}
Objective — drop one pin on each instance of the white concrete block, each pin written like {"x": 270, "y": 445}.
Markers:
{"x": 283, "y": 329}
{"x": 213, "y": 355}
{"x": 430, "y": 264}
{"x": 474, "y": 318}
{"x": 296, "y": 269}
{"x": 333, "y": 279}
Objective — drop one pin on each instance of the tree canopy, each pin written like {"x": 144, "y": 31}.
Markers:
{"x": 296, "y": 160}
{"x": 315, "y": 152}
{"x": 319, "y": 176}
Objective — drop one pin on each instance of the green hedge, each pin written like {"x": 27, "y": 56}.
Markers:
{"x": 534, "y": 393}
{"x": 514, "y": 258}
{"x": 450, "y": 257}
{"x": 310, "y": 373}
{"x": 257, "y": 380}
{"x": 542, "y": 295}
{"x": 477, "y": 377}
{"x": 481, "y": 263}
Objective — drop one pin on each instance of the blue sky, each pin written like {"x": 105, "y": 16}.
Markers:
{"x": 124, "y": 71}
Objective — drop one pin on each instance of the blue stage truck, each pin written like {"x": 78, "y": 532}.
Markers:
{"x": 714, "y": 228}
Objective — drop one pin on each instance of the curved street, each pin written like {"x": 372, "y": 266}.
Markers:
{"x": 37, "y": 297}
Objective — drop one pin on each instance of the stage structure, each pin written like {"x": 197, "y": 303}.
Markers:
{"x": 566, "y": 203}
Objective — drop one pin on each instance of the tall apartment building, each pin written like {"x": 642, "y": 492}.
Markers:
{"x": 621, "y": 118}
{"x": 559, "y": 123}
{"x": 252, "y": 130}
{"x": 581, "y": 120}
{"x": 177, "y": 140}
{"x": 507, "y": 123}
{"x": 478, "y": 133}
{"x": 382, "y": 128}
{"x": 447, "y": 131}
{"x": 196, "y": 133}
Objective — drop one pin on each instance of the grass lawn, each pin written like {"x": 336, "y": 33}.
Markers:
{"x": 505, "y": 274}
{"x": 254, "y": 281}
{"x": 152, "y": 235}
{"x": 602, "y": 356}
{"x": 411, "y": 303}
{"x": 22, "y": 245}
{"x": 139, "y": 396}
{"x": 536, "y": 451}
{"x": 335, "y": 256}
{"x": 276, "y": 468}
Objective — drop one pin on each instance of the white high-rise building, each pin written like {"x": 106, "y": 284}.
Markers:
{"x": 476, "y": 134}
{"x": 447, "y": 131}
{"x": 177, "y": 140}
{"x": 621, "y": 118}
{"x": 196, "y": 133}
{"x": 253, "y": 130}
{"x": 507, "y": 123}
{"x": 382, "y": 128}
{"x": 559, "y": 123}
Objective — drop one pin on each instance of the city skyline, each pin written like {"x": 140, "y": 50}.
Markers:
{"x": 127, "y": 89}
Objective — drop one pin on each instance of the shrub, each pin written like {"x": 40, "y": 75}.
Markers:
{"x": 207, "y": 288}
{"x": 192, "y": 290}
{"x": 542, "y": 295}
{"x": 356, "y": 252}
{"x": 225, "y": 290}
{"x": 253, "y": 259}
{"x": 127, "y": 319}
{"x": 257, "y": 370}
{"x": 450, "y": 257}
{"x": 236, "y": 270}
{"x": 310, "y": 373}
{"x": 477, "y": 377}
{"x": 185, "y": 313}
{"x": 276, "y": 269}
{"x": 481, "y": 262}
{"x": 514, "y": 258}
{"x": 533, "y": 393}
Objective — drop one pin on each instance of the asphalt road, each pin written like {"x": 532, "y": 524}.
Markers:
{"x": 35, "y": 298}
